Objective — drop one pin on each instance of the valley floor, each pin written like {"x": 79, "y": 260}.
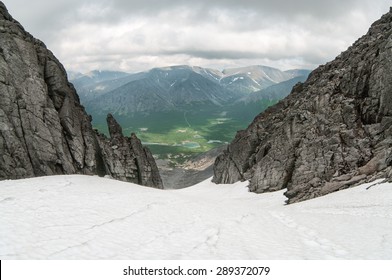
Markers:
{"x": 83, "y": 217}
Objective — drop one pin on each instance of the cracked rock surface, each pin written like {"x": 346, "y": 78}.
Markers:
{"x": 331, "y": 132}
{"x": 44, "y": 130}
{"x": 126, "y": 159}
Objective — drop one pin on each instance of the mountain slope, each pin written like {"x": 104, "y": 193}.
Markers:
{"x": 84, "y": 217}
{"x": 97, "y": 76}
{"x": 253, "y": 78}
{"x": 161, "y": 89}
{"x": 330, "y": 133}
{"x": 44, "y": 130}
{"x": 275, "y": 92}
{"x": 98, "y": 82}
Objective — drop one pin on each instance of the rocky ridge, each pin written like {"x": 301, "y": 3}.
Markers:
{"x": 330, "y": 133}
{"x": 126, "y": 159}
{"x": 44, "y": 130}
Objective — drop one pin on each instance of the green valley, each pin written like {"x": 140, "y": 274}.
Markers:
{"x": 179, "y": 135}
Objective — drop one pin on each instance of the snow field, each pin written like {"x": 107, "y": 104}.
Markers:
{"x": 84, "y": 217}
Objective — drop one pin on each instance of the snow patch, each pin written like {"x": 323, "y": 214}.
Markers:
{"x": 100, "y": 88}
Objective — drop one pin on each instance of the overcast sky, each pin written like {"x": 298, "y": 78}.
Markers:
{"x": 136, "y": 35}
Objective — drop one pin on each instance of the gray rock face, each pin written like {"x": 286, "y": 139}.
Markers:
{"x": 331, "y": 132}
{"x": 43, "y": 128}
{"x": 126, "y": 159}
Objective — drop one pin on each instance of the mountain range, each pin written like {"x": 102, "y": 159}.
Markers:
{"x": 176, "y": 86}
{"x": 207, "y": 105}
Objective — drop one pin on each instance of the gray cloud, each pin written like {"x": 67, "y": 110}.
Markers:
{"x": 214, "y": 54}
{"x": 136, "y": 35}
{"x": 319, "y": 9}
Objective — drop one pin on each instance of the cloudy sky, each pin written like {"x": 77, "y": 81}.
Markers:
{"x": 136, "y": 35}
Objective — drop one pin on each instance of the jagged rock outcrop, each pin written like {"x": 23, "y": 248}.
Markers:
{"x": 331, "y": 132}
{"x": 126, "y": 159}
{"x": 43, "y": 128}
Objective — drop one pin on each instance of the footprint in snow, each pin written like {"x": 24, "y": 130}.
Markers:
{"x": 212, "y": 236}
{"x": 310, "y": 237}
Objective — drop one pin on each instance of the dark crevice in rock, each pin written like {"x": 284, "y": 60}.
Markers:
{"x": 241, "y": 175}
{"x": 290, "y": 169}
{"x": 67, "y": 139}
{"x": 58, "y": 168}
{"x": 24, "y": 139}
{"x": 388, "y": 161}
{"x": 100, "y": 167}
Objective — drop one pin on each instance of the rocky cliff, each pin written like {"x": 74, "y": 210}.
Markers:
{"x": 126, "y": 159}
{"x": 43, "y": 128}
{"x": 331, "y": 132}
